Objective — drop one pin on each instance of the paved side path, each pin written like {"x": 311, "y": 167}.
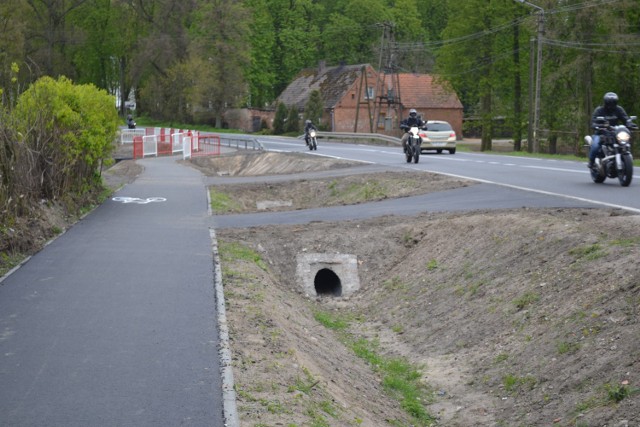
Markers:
{"x": 474, "y": 197}
{"x": 114, "y": 323}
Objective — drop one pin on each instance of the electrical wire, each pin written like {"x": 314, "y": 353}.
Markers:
{"x": 591, "y": 47}
{"x": 580, "y": 6}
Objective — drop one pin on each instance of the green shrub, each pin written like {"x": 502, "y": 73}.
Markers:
{"x": 70, "y": 129}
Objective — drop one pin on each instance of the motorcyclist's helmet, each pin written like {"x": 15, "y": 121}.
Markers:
{"x": 610, "y": 100}
{"x": 307, "y": 122}
{"x": 413, "y": 113}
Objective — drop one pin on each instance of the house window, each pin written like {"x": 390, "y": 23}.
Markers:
{"x": 370, "y": 93}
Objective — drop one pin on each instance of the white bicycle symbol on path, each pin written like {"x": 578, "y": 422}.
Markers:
{"x": 139, "y": 201}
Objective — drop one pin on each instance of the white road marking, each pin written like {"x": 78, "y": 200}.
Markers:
{"x": 139, "y": 201}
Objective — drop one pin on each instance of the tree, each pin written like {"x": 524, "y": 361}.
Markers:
{"x": 219, "y": 36}
{"x": 314, "y": 108}
{"x": 280, "y": 119}
{"x": 475, "y": 62}
{"x": 109, "y": 31}
{"x": 261, "y": 71}
{"x": 337, "y": 40}
{"x": 50, "y": 35}
{"x": 12, "y": 45}
{"x": 297, "y": 37}
{"x": 293, "y": 120}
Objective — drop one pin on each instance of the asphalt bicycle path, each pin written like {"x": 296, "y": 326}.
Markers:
{"x": 114, "y": 323}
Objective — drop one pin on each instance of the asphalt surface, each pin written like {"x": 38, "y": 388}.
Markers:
{"x": 475, "y": 197}
{"x": 114, "y": 323}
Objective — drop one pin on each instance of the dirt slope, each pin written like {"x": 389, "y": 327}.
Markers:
{"x": 521, "y": 317}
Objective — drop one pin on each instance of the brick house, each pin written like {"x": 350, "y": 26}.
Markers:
{"x": 358, "y": 99}
{"x": 431, "y": 99}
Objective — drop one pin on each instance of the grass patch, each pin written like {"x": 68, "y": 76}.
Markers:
{"x": 515, "y": 384}
{"x": 626, "y": 242}
{"x": 303, "y": 385}
{"x": 565, "y": 347}
{"x": 222, "y": 203}
{"x": 336, "y": 323}
{"x": 145, "y": 121}
{"x": 588, "y": 252}
{"x": 616, "y": 393}
{"x": 235, "y": 251}
{"x": 9, "y": 260}
{"x": 357, "y": 193}
{"x": 395, "y": 284}
{"x": 399, "y": 378}
{"x": 609, "y": 394}
{"x": 525, "y": 300}
{"x": 502, "y": 357}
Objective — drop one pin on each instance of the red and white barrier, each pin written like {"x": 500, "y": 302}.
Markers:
{"x": 161, "y": 141}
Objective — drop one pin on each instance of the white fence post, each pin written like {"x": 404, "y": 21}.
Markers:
{"x": 186, "y": 147}
{"x": 150, "y": 145}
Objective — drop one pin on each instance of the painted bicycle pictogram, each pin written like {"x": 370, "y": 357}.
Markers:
{"x": 138, "y": 200}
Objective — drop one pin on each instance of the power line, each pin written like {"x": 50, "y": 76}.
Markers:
{"x": 580, "y": 6}
{"x": 591, "y": 47}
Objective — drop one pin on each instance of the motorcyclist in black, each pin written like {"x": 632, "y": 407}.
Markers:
{"x": 130, "y": 122}
{"x": 614, "y": 114}
{"x": 308, "y": 125}
{"x": 406, "y": 124}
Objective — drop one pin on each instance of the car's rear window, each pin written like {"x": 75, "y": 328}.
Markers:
{"x": 438, "y": 127}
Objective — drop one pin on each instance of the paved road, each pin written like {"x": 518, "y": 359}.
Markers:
{"x": 546, "y": 176}
{"x": 114, "y": 323}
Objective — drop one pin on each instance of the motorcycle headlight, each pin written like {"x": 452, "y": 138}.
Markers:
{"x": 623, "y": 136}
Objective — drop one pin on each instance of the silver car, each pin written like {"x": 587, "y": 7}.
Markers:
{"x": 438, "y": 136}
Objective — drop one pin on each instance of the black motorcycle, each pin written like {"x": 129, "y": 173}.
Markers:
{"x": 614, "y": 158}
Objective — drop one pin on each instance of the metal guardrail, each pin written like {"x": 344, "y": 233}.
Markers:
{"x": 244, "y": 142}
{"x": 364, "y": 137}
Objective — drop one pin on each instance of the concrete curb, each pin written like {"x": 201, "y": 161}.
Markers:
{"x": 228, "y": 392}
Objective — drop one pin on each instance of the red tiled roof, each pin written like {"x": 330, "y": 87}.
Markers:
{"x": 423, "y": 91}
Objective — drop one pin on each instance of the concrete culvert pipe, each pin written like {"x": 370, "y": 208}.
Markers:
{"x": 327, "y": 282}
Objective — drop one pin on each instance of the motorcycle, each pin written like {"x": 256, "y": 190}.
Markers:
{"x": 614, "y": 159}
{"x": 313, "y": 141}
{"x": 131, "y": 124}
{"x": 412, "y": 150}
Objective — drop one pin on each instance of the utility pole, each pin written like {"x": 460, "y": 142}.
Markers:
{"x": 532, "y": 100}
{"x": 387, "y": 68}
{"x": 536, "y": 110}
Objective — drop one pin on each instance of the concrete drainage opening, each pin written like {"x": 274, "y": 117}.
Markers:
{"x": 334, "y": 275}
{"x": 327, "y": 283}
